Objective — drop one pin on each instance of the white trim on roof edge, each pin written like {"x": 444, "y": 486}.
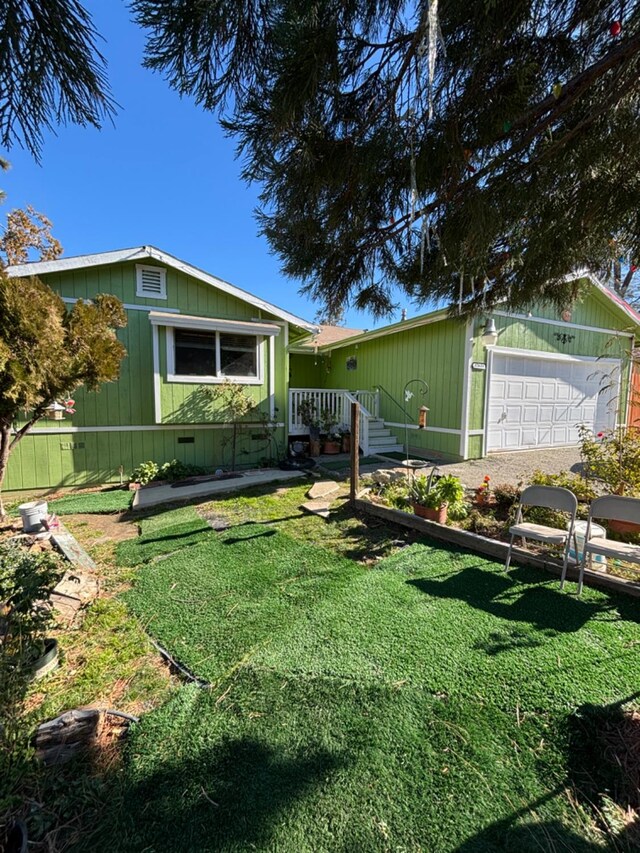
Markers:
{"x": 443, "y": 314}
{"x": 141, "y": 253}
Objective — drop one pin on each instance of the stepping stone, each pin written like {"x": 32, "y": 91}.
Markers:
{"x": 322, "y": 489}
{"x": 319, "y": 507}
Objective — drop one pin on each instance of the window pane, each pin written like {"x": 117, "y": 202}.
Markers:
{"x": 238, "y": 355}
{"x": 195, "y": 353}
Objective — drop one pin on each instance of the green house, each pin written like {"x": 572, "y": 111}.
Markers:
{"x": 529, "y": 385}
{"x": 185, "y": 328}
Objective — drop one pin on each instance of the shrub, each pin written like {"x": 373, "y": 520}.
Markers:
{"x": 27, "y": 580}
{"x": 176, "y": 470}
{"x": 483, "y": 525}
{"x": 580, "y": 487}
{"x": 396, "y": 494}
{"x": 145, "y": 473}
{"x": 505, "y": 496}
{"x": 613, "y": 458}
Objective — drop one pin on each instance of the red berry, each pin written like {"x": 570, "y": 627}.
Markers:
{"x": 615, "y": 29}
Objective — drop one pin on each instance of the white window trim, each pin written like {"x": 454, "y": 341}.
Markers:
{"x": 172, "y": 376}
{"x": 140, "y": 268}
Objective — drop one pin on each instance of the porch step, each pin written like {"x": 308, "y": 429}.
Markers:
{"x": 382, "y": 440}
{"x": 389, "y": 445}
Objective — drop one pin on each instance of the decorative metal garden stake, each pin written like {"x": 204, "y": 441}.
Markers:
{"x": 422, "y": 418}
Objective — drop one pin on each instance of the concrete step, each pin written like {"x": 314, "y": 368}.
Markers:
{"x": 390, "y": 445}
{"x": 387, "y": 448}
{"x": 376, "y": 423}
{"x": 375, "y": 433}
{"x": 382, "y": 440}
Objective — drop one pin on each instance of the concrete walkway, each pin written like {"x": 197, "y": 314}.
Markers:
{"x": 170, "y": 494}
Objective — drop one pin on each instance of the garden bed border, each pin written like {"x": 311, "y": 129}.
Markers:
{"x": 494, "y": 548}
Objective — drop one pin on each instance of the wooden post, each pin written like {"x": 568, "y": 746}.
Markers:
{"x": 355, "y": 449}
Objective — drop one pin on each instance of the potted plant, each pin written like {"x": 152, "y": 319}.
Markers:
{"x": 308, "y": 414}
{"x": 332, "y": 440}
{"x": 345, "y": 434}
{"x": 483, "y": 492}
{"x": 432, "y": 502}
{"x": 332, "y": 443}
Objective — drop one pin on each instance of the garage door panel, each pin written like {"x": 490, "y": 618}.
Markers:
{"x": 545, "y": 414}
{"x": 548, "y": 391}
{"x": 540, "y": 402}
{"x": 515, "y": 390}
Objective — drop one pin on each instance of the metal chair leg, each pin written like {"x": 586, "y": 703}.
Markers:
{"x": 565, "y": 562}
{"x": 506, "y": 565}
{"x": 582, "y": 567}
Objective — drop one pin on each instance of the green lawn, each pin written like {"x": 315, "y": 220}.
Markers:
{"x": 108, "y": 500}
{"x": 426, "y": 704}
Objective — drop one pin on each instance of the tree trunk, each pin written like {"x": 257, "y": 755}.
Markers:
{"x": 5, "y": 447}
{"x": 233, "y": 446}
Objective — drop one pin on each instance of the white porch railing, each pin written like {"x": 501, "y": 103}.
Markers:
{"x": 370, "y": 400}
{"x": 336, "y": 401}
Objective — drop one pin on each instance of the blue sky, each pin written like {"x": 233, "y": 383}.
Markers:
{"x": 164, "y": 174}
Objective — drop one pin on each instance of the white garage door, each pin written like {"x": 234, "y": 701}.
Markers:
{"x": 540, "y": 402}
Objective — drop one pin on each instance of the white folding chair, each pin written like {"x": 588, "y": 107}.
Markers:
{"x": 610, "y": 507}
{"x": 549, "y": 497}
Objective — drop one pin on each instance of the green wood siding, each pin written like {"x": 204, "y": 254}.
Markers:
{"x": 54, "y": 459}
{"x": 75, "y": 459}
{"x": 306, "y": 371}
{"x": 433, "y": 352}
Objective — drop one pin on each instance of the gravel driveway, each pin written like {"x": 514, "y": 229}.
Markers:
{"x": 515, "y": 467}
{"x": 511, "y": 468}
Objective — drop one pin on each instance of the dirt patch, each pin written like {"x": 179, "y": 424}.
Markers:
{"x": 93, "y": 529}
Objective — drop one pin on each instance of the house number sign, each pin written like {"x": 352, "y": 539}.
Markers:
{"x": 478, "y": 365}
{"x": 564, "y": 338}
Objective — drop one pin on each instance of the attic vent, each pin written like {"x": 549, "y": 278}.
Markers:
{"x": 151, "y": 282}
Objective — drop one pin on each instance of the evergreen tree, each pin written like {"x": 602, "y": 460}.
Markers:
{"x": 46, "y": 352}
{"x": 468, "y": 150}
{"x": 51, "y": 71}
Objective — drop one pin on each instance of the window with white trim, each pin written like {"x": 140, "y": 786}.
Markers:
{"x": 201, "y": 355}
{"x": 151, "y": 282}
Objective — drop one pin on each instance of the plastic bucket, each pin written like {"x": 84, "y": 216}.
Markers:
{"x": 32, "y": 515}
{"x": 597, "y": 532}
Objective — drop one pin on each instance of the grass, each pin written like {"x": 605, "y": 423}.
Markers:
{"x": 424, "y": 704}
{"x": 171, "y": 531}
{"x": 112, "y": 664}
{"x": 368, "y": 692}
{"x": 106, "y": 501}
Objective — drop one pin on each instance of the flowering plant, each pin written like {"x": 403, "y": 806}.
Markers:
{"x": 483, "y": 489}
{"x": 613, "y": 458}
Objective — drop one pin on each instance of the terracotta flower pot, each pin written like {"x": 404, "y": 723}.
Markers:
{"x": 618, "y": 526}
{"x": 439, "y": 515}
{"x": 331, "y": 447}
{"x": 346, "y": 444}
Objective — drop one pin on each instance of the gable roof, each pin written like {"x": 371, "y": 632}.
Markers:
{"x": 327, "y": 335}
{"x": 618, "y": 304}
{"x": 618, "y": 301}
{"x": 146, "y": 253}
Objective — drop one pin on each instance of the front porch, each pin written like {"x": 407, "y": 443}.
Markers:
{"x": 334, "y": 405}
